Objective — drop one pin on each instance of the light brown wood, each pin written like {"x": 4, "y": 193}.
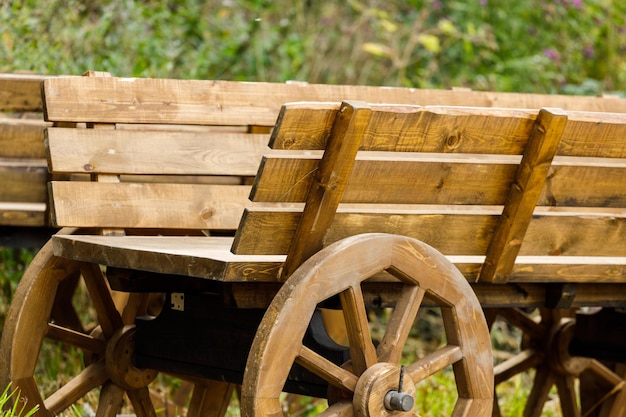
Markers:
{"x": 154, "y": 152}
{"x": 327, "y": 274}
{"x": 148, "y": 205}
{"x": 208, "y": 102}
{"x": 523, "y": 196}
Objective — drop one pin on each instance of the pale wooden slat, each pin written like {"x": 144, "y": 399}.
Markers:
{"x": 23, "y": 180}
{"x": 20, "y": 92}
{"x": 452, "y": 232}
{"x": 594, "y": 135}
{"x": 148, "y": 205}
{"x": 158, "y": 100}
{"x": 23, "y": 214}
{"x": 202, "y": 257}
{"x": 523, "y": 195}
{"x": 22, "y": 138}
{"x": 154, "y": 152}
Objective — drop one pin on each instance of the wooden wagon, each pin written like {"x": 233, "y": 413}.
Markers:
{"x": 212, "y": 257}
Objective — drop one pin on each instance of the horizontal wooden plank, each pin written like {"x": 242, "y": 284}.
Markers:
{"x": 265, "y": 231}
{"x": 22, "y": 138}
{"x": 210, "y": 258}
{"x": 594, "y": 135}
{"x": 227, "y": 102}
{"x": 412, "y": 129}
{"x": 20, "y": 92}
{"x": 97, "y": 151}
{"x": 148, "y": 205}
{"x": 23, "y": 180}
{"x": 23, "y": 214}
{"x": 201, "y": 257}
{"x": 408, "y": 178}
{"x": 400, "y": 178}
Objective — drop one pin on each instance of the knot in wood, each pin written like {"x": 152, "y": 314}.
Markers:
{"x": 207, "y": 213}
{"x": 453, "y": 140}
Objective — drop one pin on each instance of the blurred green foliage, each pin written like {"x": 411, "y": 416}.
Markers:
{"x": 549, "y": 46}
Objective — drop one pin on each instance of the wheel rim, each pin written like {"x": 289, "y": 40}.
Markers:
{"x": 339, "y": 270}
{"x": 545, "y": 350}
{"x": 28, "y": 327}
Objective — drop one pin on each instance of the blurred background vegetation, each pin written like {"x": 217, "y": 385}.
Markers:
{"x": 548, "y": 46}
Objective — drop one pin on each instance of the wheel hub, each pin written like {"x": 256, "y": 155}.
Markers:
{"x": 119, "y": 365}
{"x": 378, "y": 392}
{"x": 559, "y": 357}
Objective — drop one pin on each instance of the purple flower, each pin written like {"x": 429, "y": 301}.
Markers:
{"x": 577, "y": 3}
{"x": 552, "y": 54}
{"x": 588, "y": 52}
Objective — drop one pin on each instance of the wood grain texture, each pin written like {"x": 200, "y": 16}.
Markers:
{"x": 20, "y": 92}
{"x": 23, "y": 180}
{"x": 208, "y": 102}
{"x": 523, "y": 195}
{"x": 22, "y": 138}
{"x": 96, "y": 151}
{"x": 148, "y": 205}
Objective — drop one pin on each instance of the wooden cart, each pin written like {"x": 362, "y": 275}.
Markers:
{"x": 355, "y": 207}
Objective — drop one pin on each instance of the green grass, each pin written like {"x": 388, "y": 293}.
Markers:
{"x": 15, "y": 410}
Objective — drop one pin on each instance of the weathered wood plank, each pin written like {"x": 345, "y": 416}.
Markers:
{"x": 209, "y": 102}
{"x": 23, "y": 180}
{"x": 523, "y": 195}
{"x": 443, "y": 179}
{"x": 148, "y": 205}
{"x": 22, "y": 138}
{"x": 96, "y": 151}
{"x": 452, "y": 232}
{"x": 211, "y": 259}
{"x": 23, "y": 214}
{"x": 20, "y": 92}
{"x": 412, "y": 129}
{"x": 594, "y": 135}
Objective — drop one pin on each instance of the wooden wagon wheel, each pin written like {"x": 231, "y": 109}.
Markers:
{"x": 371, "y": 381}
{"x": 545, "y": 344}
{"x": 41, "y": 312}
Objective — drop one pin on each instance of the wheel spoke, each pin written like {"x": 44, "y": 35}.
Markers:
{"x": 135, "y": 306}
{"x": 339, "y": 409}
{"x": 91, "y": 377}
{"x": 434, "y": 362}
{"x": 542, "y": 383}
{"x": 400, "y": 324}
{"x": 110, "y": 401}
{"x": 567, "y": 395}
{"x": 76, "y": 339}
{"x": 140, "y": 398}
{"x": 522, "y": 321}
{"x": 362, "y": 351}
{"x": 519, "y": 363}
{"x": 471, "y": 407}
{"x": 322, "y": 367}
{"x": 108, "y": 316}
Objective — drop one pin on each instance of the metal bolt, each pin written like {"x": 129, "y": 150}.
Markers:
{"x": 398, "y": 400}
